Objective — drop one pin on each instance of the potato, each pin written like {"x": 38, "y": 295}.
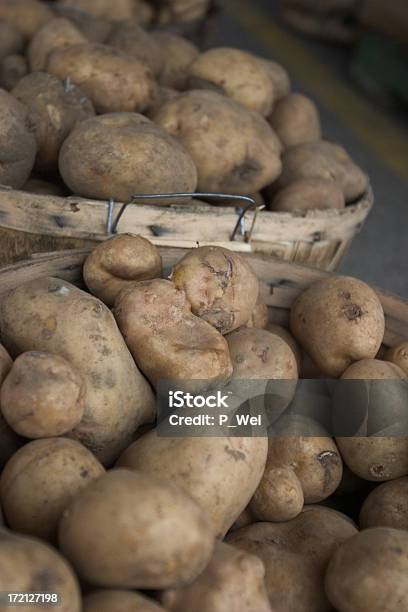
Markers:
{"x": 52, "y": 315}
{"x": 182, "y": 347}
{"x": 386, "y": 506}
{"x": 28, "y": 565}
{"x": 285, "y": 335}
{"x": 369, "y": 572}
{"x": 177, "y": 56}
{"x": 220, "y": 286}
{"x": 17, "y": 142}
{"x": 123, "y": 601}
{"x": 9, "y": 441}
{"x": 41, "y": 187}
{"x": 11, "y": 40}
{"x": 240, "y": 75}
{"x": 104, "y": 9}
{"x": 259, "y": 317}
{"x": 118, "y": 262}
{"x": 12, "y": 69}
{"x": 41, "y": 479}
{"x": 296, "y": 120}
{"x": 5, "y": 363}
{"x": 399, "y": 355}
{"x": 280, "y": 78}
{"x": 111, "y": 79}
{"x": 295, "y": 554}
{"x": 55, "y": 34}
{"x": 146, "y": 159}
{"x": 27, "y": 16}
{"x": 222, "y": 472}
{"x": 324, "y": 160}
{"x": 164, "y": 95}
{"x": 54, "y": 110}
{"x": 235, "y": 150}
{"x": 135, "y": 42}
{"x": 308, "y": 194}
{"x": 95, "y": 29}
{"x": 233, "y": 580}
{"x": 338, "y": 320}
{"x": 42, "y": 396}
{"x": 142, "y": 532}
{"x": 184, "y": 10}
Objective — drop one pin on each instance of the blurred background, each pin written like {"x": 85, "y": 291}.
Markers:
{"x": 352, "y": 59}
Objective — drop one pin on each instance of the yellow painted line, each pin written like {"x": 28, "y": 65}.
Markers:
{"x": 379, "y": 133}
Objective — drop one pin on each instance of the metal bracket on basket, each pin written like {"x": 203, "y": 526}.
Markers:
{"x": 112, "y": 225}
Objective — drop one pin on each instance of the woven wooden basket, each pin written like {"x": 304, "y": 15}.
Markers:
{"x": 39, "y": 223}
{"x": 280, "y": 283}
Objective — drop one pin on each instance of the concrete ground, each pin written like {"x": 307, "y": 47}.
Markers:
{"x": 376, "y": 139}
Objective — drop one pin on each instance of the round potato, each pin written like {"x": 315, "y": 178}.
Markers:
{"x": 27, "y": 16}
{"x": 42, "y": 396}
{"x": 41, "y": 479}
{"x": 104, "y": 9}
{"x": 308, "y": 194}
{"x": 386, "y": 505}
{"x": 235, "y": 150}
{"x": 118, "y": 262}
{"x": 54, "y": 110}
{"x": 142, "y": 532}
{"x": 240, "y": 75}
{"x": 123, "y": 601}
{"x": 233, "y": 580}
{"x": 113, "y": 80}
{"x": 279, "y": 496}
{"x": 28, "y": 565}
{"x": 55, "y": 34}
{"x": 280, "y": 78}
{"x": 338, "y": 320}
{"x": 220, "y": 286}
{"x": 146, "y": 159}
{"x": 12, "y": 69}
{"x": 296, "y": 120}
{"x": 377, "y": 556}
{"x": 17, "y": 142}
{"x": 399, "y": 355}
{"x": 177, "y": 54}
{"x": 135, "y": 42}
{"x": 11, "y": 40}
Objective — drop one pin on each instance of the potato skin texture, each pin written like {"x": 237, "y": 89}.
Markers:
{"x": 220, "y": 286}
{"x": 166, "y": 340}
{"x": 285, "y": 335}
{"x": 399, "y": 355}
{"x": 54, "y": 110}
{"x": 27, "y": 16}
{"x": 42, "y": 396}
{"x": 11, "y": 40}
{"x": 235, "y": 150}
{"x": 280, "y": 78}
{"x": 55, "y": 34}
{"x": 126, "y": 601}
{"x": 136, "y": 42}
{"x": 9, "y": 441}
{"x": 308, "y": 194}
{"x": 296, "y": 120}
{"x": 112, "y": 80}
{"x": 29, "y": 565}
{"x": 338, "y": 320}
{"x": 39, "y": 482}
{"x": 233, "y": 468}
{"x": 118, "y": 262}
{"x": 18, "y": 146}
{"x": 119, "y": 155}
{"x": 360, "y": 563}
{"x": 386, "y": 506}
{"x": 51, "y": 315}
{"x": 178, "y": 54}
{"x": 158, "y": 538}
{"x": 233, "y": 580}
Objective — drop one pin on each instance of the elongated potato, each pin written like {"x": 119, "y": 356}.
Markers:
{"x": 27, "y": 16}
{"x": 142, "y": 532}
{"x": 55, "y": 34}
{"x": 105, "y": 600}
{"x": 386, "y": 505}
{"x": 308, "y": 194}
{"x": 52, "y": 315}
{"x": 178, "y": 54}
{"x": 136, "y": 42}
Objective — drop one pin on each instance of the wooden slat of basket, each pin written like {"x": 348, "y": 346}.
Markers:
{"x": 281, "y": 282}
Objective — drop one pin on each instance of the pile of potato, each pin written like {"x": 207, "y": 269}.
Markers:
{"x": 94, "y": 105}
{"x": 102, "y": 509}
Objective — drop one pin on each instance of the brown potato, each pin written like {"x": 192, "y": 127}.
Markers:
{"x": 240, "y": 75}
{"x": 135, "y": 42}
{"x": 28, "y": 565}
{"x": 55, "y": 34}
{"x": 164, "y": 95}
{"x": 285, "y": 334}
{"x": 233, "y": 580}
{"x": 259, "y": 317}
{"x": 42, "y": 396}
{"x": 119, "y": 601}
{"x": 280, "y": 78}
{"x": 27, "y": 16}
{"x": 308, "y": 194}
{"x": 220, "y": 286}
{"x": 52, "y": 315}
{"x": 12, "y": 69}
{"x": 232, "y": 466}
{"x": 17, "y": 142}
{"x": 11, "y": 40}
{"x": 104, "y": 9}
{"x": 9, "y": 441}
{"x": 399, "y": 355}
{"x": 5, "y": 363}
{"x": 296, "y": 120}
{"x": 41, "y": 479}
{"x": 338, "y": 320}
{"x": 142, "y": 532}
{"x": 146, "y": 160}
{"x": 113, "y": 81}
{"x": 118, "y": 262}
{"x": 54, "y": 110}
{"x": 177, "y": 54}
{"x": 182, "y": 347}
{"x": 235, "y": 150}
{"x": 295, "y": 554}
{"x": 386, "y": 506}
{"x": 369, "y": 572}
{"x": 95, "y": 29}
